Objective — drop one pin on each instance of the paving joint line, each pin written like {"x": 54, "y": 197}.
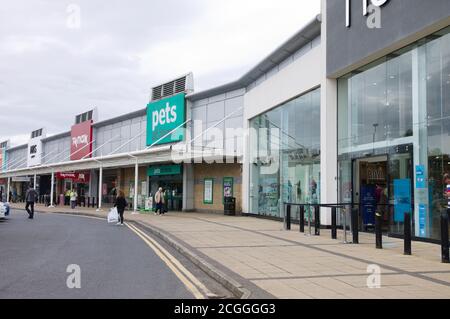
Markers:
{"x": 391, "y": 268}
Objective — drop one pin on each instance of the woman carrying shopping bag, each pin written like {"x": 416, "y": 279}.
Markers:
{"x": 121, "y": 204}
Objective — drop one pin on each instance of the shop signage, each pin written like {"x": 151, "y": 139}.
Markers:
{"x": 35, "y": 149}
{"x": 3, "y": 157}
{"x": 75, "y": 177}
{"x": 18, "y": 179}
{"x": 164, "y": 116}
{"x": 365, "y": 8}
{"x": 208, "y": 191}
{"x": 164, "y": 170}
{"x": 81, "y": 141}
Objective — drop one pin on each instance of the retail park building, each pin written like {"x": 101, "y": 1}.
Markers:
{"x": 355, "y": 106}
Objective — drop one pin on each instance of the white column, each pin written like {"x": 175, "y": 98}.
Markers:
{"x": 100, "y": 184}
{"x": 188, "y": 187}
{"x": 52, "y": 189}
{"x": 34, "y": 181}
{"x": 136, "y": 176}
{"x": 328, "y": 132}
{"x": 7, "y": 192}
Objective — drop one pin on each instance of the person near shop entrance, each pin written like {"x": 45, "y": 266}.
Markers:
{"x": 67, "y": 197}
{"x": 447, "y": 188}
{"x": 159, "y": 200}
{"x": 30, "y": 198}
{"x": 73, "y": 199}
{"x": 121, "y": 204}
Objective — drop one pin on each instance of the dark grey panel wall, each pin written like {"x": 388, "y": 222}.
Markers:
{"x": 400, "y": 19}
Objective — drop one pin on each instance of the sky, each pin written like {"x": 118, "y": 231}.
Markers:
{"x": 61, "y": 58}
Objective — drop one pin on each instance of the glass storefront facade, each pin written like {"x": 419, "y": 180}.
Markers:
{"x": 394, "y": 136}
{"x": 285, "y": 155}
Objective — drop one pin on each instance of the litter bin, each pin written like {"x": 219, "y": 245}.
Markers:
{"x": 229, "y": 204}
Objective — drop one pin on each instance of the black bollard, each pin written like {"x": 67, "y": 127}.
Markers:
{"x": 407, "y": 230}
{"x": 334, "y": 223}
{"x": 355, "y": 226}
{"x": 288, "y": 218}
{"x": 302, "y": 219}
{"x": 444, "y": 237}
{"x": 317, "y": 220}
{"x": 378, "y": 232}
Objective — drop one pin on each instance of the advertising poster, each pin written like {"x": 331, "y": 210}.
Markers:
{"x": 422, "y": 220}
{"x": 208, "y": 191}
{"x": 369, "y": 203}
{"x": 228, "y": 187}
{"x": 420, "y": 177}
{"x": 402, "y": 199}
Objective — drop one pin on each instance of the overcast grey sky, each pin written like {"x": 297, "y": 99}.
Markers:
{"x": 54, "y": 65}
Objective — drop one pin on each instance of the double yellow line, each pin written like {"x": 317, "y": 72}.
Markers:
{"x": 186, "y": 277}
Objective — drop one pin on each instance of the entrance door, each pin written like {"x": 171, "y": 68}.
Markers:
{"x": 384, "y": 184}
{"x": 371, "y": 188}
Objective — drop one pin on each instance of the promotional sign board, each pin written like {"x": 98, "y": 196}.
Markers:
{"x": 420, "y": 177}
{"x": 369, "y": 202}
{"x": 164, "y": 116}
{"x": 81, "y": 141}
{"x": 402, "y": 199}
{"x": 228, "y": 183}
{"x": 208, "y": 191}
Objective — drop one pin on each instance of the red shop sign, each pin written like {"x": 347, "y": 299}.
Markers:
{"x": 81, "y": 141}
{"x": 75, "y": 177}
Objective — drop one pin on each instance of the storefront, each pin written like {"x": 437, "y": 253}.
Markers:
{"x": 285, "y": 155}
{"x": 77, "y": 181}
{"x": 393, "y": 110}
{"x": 170, "y": 179}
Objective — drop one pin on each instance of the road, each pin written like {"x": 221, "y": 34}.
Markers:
{"x": 114, "y": 262}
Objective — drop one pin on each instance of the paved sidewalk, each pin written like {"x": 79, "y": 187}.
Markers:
{"x": 292, "y": 265}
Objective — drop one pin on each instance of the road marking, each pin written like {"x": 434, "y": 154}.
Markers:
{"x": 186, "y": 277}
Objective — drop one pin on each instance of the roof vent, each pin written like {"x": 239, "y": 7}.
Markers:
{"x": 184, "y": 84}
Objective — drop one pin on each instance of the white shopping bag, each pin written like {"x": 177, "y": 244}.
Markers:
{"x": 113, "y": 215}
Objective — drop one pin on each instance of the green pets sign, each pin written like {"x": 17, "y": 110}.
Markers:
{"x": 163, "y": 117}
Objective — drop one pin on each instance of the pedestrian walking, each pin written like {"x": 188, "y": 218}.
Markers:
{"x": 159, "y": 200}
{"x": 30, "y": 198}
{"x": 73, "y": 199}
{"x": 121, "y": 204}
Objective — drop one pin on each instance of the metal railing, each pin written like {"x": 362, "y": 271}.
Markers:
{"x": 345, "y": 208}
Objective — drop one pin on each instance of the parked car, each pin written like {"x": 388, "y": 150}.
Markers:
{"x": 4, "y": 210}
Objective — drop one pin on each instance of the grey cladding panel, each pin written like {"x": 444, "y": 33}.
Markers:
{"x": 399, "y": 19}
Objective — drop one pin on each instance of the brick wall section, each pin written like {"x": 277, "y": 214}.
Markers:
{"x": 217, "y": 172}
